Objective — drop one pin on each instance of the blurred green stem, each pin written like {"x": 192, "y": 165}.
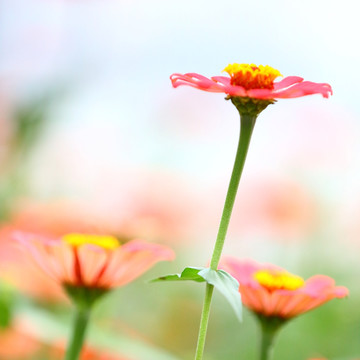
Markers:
{"x": 247, "y": 124}
{"x": 77, "y": 339}
{"x": 269, "y": 328}
{"x": 267, "y": 339}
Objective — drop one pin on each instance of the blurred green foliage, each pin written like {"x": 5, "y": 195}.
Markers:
{"x": 28, "y": 121}
{"x": 7, "y": 299}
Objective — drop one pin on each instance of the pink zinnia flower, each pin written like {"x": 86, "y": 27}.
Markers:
{"x": 87, "y": 353}
{"x": 271, "y": 291}
{"x": 252, "y": 81}
{"x": 92, "y": 262}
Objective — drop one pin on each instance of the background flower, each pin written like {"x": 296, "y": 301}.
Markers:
{"x": 271, "y": 291}
{"x": 92, "y": 261}
{"x": 16, "y": 343}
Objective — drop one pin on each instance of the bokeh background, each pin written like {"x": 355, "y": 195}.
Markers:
{"x": 93, "y": 138}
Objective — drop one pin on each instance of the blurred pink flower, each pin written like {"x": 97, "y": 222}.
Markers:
{"x": 271, "y": 291}
{"x": 92, "y": 261}
{"x": 276, "y": 209}
{"x": 24, "y": 276}
{"x": 15, "y": 343}
{"x": 91, "y": 354}
{"x": 160, "y": 207}
{"x": 252, "y": 81}
{"x": 52, "y": 220}
{"x": 151, "y": 215}
{"x": 55, "y": 218}
{"x": 87, "y": 353}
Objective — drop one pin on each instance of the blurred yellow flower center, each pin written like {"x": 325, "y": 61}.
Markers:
{"x": 276, "y": 279}
{"x": 106, "y": 242}
{"x": 251, "y": 76}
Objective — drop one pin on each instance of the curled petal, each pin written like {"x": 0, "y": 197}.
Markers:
{"x": 286, "y": 82}
{"x": 224, "y": 80}
{"x": 195, "y": 80}
{"x": 304, "y": 88}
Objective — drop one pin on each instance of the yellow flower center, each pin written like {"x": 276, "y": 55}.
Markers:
{"x": 277, "y": 279}
{"x": 251, "y": 76}
{"x": 106, "y": 242}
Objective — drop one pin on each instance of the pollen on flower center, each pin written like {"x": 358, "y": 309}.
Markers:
{"x": 276, "y": 280}
{"x": 106, "y": 242}
{"x": 251, "y": 76}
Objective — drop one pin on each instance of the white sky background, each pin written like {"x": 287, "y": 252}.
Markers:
{"x": 122, "y": 114}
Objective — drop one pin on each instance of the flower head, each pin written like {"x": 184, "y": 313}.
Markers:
{"x": 250, "y": 76}
{"x": 271, "y": 291}
{"x": 91, "y": 265}
{"x": 252, "y": 81}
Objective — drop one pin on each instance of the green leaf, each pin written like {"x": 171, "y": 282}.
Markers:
{"x": 227, "y": 285}
{"x": 222, "y": 281}
{"x": 189, "y": 273}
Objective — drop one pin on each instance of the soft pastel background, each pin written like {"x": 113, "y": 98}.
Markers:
{"x": 94, "y": 138}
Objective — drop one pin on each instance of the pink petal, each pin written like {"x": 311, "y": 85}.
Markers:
{"x": 222, "y": 80}
{"x": 260, "y": 94}
{"x": 133, "y": 259}
{"x": 92, "y": 262}
{"x": 254, "y": 299}
{"x": 298, "y": 304}
{"x": 41, "y": 249}
{"x": 277, "y": 303}
{"x": 162, "y": 253}
{"x": 286, "y": 82}
{"x": 233, "y": 90}
{"x": 304, "y": 88}
{"x": 195, "y": 80}
{"x": 242, "y": 271}
{"x": 63, "y": 256}
{"x": 318, "y": 285}
{"x": 341, "y": 292}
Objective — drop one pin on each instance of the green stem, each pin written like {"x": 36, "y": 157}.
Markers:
{"x": 246, "y": 129}
{"x": 204, "y": 322}
{"x": 269, "y": 328}
{"x": 78, "y": 335}
{"x": 247, "y": 124}
{"x": 267, "y": 340}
